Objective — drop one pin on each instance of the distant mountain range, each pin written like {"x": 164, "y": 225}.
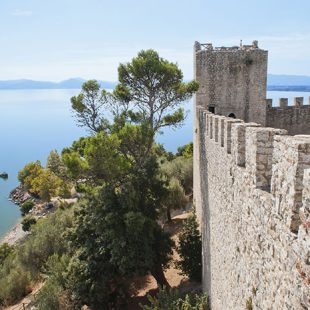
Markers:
{"x": 274, "y": 82}
{"x": 74, "y": 83}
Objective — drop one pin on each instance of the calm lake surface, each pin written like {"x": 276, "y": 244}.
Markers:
{"x": 34, "y": 122}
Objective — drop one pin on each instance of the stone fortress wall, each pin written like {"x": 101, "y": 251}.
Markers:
{"x": 252, "y": 198}
{"x": 295, "y": 118}
{"x": 233, "y": 81}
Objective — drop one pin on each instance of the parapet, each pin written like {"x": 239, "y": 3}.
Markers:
{"x": 294, "y": 117}
{"x": 274, "y": 162}
{"x": 284, "y": 103}
{"x": 209, "y": 47}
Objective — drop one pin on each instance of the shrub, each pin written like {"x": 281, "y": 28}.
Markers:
{"x": 171, "y": 300}
{"x": 29, "y": 173}
{"x": 27, "y": 222}
{"x": 26, "y": 207}
{"x": 46, "y": 239}
{"x": 189, "y": 249}
{"x": 14, "y": 286}
{"x": 186, "y": 150}
{"x": 5, "y": 251}
{"x": 53, "y": 294}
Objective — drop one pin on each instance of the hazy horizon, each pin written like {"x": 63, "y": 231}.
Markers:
{"x": 60, "y": 39}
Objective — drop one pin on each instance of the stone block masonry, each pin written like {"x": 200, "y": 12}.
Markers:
{"x": 296, "y": 118}
{"x": 232, "y": 80}
{"x": 252, "y": 196}
{"x": 233, "y": 83}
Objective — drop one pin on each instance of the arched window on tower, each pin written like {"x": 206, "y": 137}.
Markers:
{"x": 232, "y": 115}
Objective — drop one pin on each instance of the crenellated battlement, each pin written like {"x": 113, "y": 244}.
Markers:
{"x": 251, "y": 183}
{"x": 295, "y": 118}
{"x": 265, "y": 154}
{"x": 284, "y": 103}
{"x": 254, "y": 206}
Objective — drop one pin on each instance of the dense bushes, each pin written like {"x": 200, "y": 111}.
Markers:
{"x": 53, "y": 294}
{"x": 26, "y": 207}
{"x": 27, "y": 222}
{"x": 190, "y": 249}
{"x": 5, "y": 251}
{"x": 172, "y": 300}
{"x": 24, "y": 265}
{"x": 43, "y": 182}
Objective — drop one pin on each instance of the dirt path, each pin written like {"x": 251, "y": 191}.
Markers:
{"x": 22, "y": 305}
{"x": 147, "y": 285}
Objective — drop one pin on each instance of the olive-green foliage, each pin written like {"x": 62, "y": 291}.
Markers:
{"x": 182, "y": 169}
{"x": 5, "y": 251}
{"x": 47, "y": 238}
{"x": 117, "y": 236}
{"x": 30, "y": 258}
{"x": 105, "y": 161}
{"x": 172, "y": 300}
{"x": 55, "y": 164}
{"x": 43, "y": 183}
{"x": 186, "y": 150}
{"x": 26, "y": 207}
{"x": 29, "y": 173}
{"x": 27, "y": 222}
{"x": 103, "y": 157}
{"x": 51, "y": 296}
{"x": 77, "y": 167}
{"x": 46, "y": 185}
{"x": 190, "y": 249}
{"x": 14, "y": 285}
{"x": 176, "y": 198}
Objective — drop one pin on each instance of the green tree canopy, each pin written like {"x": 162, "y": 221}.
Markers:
{"x": 150, "y": 91}
{"x": 155, "y": 89}
{"x": 190, "y": 249}
{"x": 175, "y": 199}
{"x": 88, "y": 106}
{"x": 29, "y": 173}
{"x": 55, "y": 164}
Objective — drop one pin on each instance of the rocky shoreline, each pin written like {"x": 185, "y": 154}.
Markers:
{"x": 19, "y": 195}
{"x": 14, "y": 235}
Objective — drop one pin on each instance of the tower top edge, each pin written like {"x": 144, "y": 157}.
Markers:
{"x": 241, "y": 47}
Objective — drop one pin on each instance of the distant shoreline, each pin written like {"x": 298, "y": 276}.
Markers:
{"x": 274, "y": 83}
{"x": 288, "y": 88}
{"x": 269, "y": 88}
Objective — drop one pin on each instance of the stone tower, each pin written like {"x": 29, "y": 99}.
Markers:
{"x": 232, "y": 80}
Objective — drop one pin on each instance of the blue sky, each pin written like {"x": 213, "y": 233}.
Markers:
{"x": 59, "y": 39}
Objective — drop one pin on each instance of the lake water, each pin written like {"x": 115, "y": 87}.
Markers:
{"x": 33, "y": 122}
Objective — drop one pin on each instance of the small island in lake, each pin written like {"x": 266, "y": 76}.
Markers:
{"x": 4, "y": 175}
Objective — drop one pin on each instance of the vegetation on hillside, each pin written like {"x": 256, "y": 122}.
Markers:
{"x": 90, "y": 252}
{"x": 173, "y": 300}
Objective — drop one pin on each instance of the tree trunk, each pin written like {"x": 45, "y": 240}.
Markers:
{"x": 159, "y": 276}
{"x": 168, "y": 215}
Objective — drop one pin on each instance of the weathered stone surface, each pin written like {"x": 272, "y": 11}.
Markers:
{"x": 251, "y": 184}
{"x": 255, "y": 218}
